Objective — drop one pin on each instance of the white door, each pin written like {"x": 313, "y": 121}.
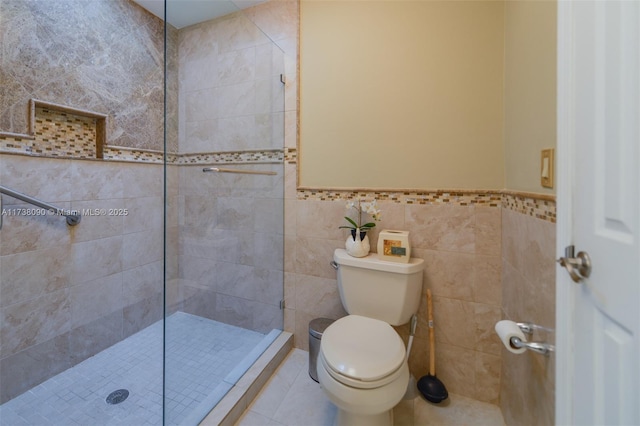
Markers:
{"x": 598, "y": 320}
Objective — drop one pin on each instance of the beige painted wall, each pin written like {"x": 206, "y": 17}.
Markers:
{"x": 398, "y": 94}
{"x": 530, "y": 91}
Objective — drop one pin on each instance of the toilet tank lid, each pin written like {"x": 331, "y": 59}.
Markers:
{"x": 371, "y": 261}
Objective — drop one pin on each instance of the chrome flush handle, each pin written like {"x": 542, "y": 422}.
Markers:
{"x": 578, "y": 267}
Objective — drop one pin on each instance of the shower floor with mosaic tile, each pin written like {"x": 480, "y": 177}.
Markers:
{"x": 201, "y": 353}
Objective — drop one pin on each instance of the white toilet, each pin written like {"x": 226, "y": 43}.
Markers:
{"x": 361, "y": 364}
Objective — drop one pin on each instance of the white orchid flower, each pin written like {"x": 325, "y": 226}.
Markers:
{"x": 370, "y": 208}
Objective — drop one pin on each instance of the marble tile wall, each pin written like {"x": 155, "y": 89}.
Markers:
{"x": 69, "y": 292}
{"x": 114, "y": 66}
{"x": 528, "y": 294}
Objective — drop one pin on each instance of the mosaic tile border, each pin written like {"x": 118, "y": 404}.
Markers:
{"x": 257, "y": 156}
{"x": 201, "y": 158}
{"x": 452, "y": 197}
{"x": 291, "y": 155}
{"x": 16, "y": 144}
{"x": 120, "y": 153}
{"x": 541, "y": 206}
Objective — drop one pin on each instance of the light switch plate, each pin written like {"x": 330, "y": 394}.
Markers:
{"x": 546, "y": 168}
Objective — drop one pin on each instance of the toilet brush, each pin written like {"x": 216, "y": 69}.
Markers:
{"x": 411, "y": 387}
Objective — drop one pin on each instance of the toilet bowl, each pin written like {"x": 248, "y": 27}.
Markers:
{"x": 363, "y": 370}
{"x": 362, "y": 364}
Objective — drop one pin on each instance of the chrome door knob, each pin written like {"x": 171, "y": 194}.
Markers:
{"x": 578, "y": 266}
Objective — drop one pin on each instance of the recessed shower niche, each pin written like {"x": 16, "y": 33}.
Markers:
{"x": 55, "y": 130}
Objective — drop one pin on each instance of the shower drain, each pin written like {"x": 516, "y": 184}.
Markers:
{"x": 117, "y": 396}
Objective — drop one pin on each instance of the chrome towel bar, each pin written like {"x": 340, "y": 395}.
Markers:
{"x": 246, "y": 172}
{"x": 73, "y": 217}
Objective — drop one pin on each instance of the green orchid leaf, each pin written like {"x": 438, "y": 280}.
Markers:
{"x": 355, "y": 225}
{"x": 368, "y": 225}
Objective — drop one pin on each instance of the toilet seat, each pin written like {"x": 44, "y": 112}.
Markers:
{"x": 362, "y": 352}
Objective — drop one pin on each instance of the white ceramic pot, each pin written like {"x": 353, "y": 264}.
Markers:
{"x": 356, "y": 245}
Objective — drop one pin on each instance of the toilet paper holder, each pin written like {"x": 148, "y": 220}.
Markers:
{"x": 542, "y": 348}
{"x": 529, "y": 328}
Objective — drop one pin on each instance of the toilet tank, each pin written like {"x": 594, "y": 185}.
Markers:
{"x": 374, "y": 288}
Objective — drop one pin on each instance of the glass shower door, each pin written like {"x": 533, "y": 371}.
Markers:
{"x": 225, "y": 207}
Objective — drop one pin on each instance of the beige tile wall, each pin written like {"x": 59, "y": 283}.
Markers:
{"x": 231, "y": 97}
{"x": 461, "y": 247}
{"x": 528, "y": 294}
{"x": 230, "y": 246}
{"x": 477, "y": 257}
{"x": 69, "y": 292}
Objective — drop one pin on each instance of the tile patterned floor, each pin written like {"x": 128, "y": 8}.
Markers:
{"x": 201, "y": 354}
{"x": 292, "y": 398}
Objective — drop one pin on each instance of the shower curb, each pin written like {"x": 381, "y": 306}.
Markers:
{"x": 229, "y": 410}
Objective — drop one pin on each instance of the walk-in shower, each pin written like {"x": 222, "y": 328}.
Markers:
{"x": 168, "y": 143}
